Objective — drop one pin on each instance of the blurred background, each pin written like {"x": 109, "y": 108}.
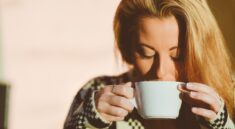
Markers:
{"x": 50, "y": 48}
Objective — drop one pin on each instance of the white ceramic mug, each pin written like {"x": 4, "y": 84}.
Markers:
{"x": 157, "y": 99}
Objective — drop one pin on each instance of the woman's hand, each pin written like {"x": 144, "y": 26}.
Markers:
{"x": 112, "y": 102}
{"x": 204, "y": 100}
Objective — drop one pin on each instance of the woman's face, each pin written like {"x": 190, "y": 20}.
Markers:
{"x": 157, "y": 50}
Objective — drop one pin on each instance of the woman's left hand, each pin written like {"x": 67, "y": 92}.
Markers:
{"x": 204, "y": 100}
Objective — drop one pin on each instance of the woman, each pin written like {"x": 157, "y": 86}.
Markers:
{"x": 167, "y": 40}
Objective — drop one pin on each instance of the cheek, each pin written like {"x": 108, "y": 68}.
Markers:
{"x": 144, "y": 65}
{"x": 176, "y": 72}
{"x": 179, "y": 72}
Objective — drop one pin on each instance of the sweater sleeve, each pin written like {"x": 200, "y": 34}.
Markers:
{"x": 83, "y": 113}
{"x": 221, "y": 121}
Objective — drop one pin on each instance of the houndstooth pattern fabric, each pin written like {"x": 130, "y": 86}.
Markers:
{"x": 220, "y": 122}
{"x": 92, "y": 115}
{"x": 135, "y": 124}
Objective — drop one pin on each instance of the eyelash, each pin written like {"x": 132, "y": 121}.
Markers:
{"x": 146, "y": 57}
{"x": 150, "y": 57}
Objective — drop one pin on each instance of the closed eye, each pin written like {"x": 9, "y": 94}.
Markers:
{"x": 145, "y": 51}
{"x": 176, "y": 53}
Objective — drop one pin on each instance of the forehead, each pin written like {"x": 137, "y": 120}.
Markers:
{"x": 159, "y": 32}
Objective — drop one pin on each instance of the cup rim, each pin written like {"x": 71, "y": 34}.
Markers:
{"x": 155, "y": 81}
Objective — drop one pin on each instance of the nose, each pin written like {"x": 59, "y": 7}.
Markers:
{"x": 162, "y": 69}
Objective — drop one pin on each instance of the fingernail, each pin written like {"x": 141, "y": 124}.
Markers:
{"x": 189, "y": 85}
{"x": 181, "y": 88}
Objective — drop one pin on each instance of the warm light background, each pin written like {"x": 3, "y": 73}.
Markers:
{"x": 52, "y": 47}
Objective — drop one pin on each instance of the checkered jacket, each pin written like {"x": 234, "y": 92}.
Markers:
{"x": 83, "y": 113}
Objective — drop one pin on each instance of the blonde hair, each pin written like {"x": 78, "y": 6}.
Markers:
{"x": 206, "y": 57}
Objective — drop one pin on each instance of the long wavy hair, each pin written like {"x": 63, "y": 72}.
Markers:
{"x": 206, "y": 57}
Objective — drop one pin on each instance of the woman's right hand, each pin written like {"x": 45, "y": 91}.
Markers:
{"x": 113, "y": 103}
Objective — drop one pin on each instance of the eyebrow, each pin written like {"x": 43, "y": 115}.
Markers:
{"x": 172, "y": 48}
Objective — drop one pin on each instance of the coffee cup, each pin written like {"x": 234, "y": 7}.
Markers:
{"x": 157, "y": 99}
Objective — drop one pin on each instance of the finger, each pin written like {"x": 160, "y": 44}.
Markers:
{"x": 182, "y": 88}
{"x": 207, "y": 114}
{"x": 193, "y": 102}
{"x": 116, "y": 111}
{"x": 115, "y": 100}
{"x": 124, "y": 90}
{"x": 102, "y": 96}
{"x": 111, "y": 118}
{"x": 102, "y": 106}
{"x": 199, "y": 87}
{"x": 120, "y": 102}
{"x": 208, "y": 99}
{"x": 111, "y": 110}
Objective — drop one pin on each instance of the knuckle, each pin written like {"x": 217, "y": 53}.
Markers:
{"x": 120, "y": 101}
{"x": 126, "y": 91}
{"x": 118, "y": 112}
{"x": 121, "y": 112}
{"x": 114, "y": 111}
{"x": 123, "y": 90}
{"x": 130, "y": 93}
